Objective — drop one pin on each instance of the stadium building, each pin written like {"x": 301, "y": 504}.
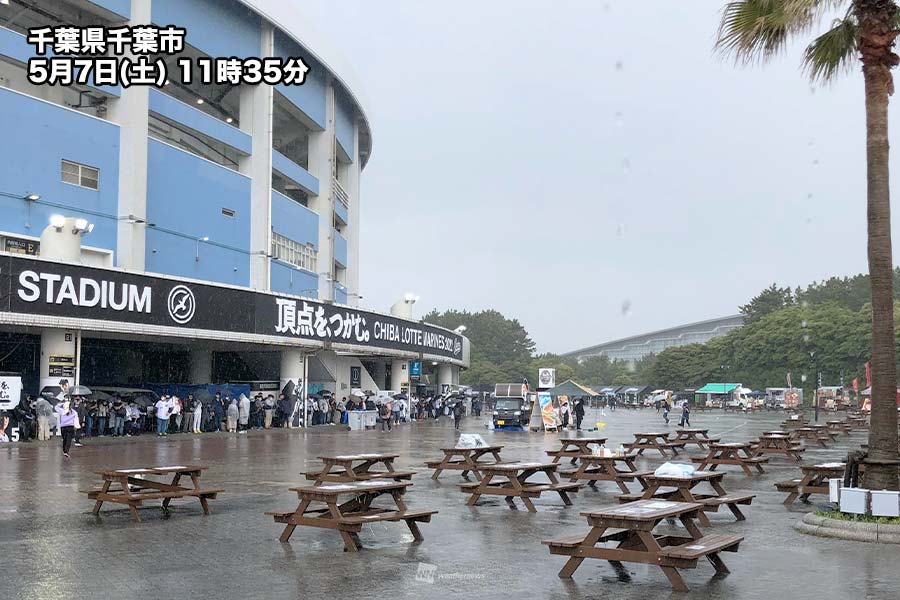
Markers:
{"x": 193, "y": 232}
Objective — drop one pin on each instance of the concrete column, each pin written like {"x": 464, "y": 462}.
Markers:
{"x": 353, "y": 227}
{"x": 321, "y": 164}
{"x": 256, "y": 120}
{"x": 59, "y": 345}
{"x": 445, "y": 376}
{"x": 399, "y": 374}
{"x": 293, "y": 370}
{"x": 131, "y": 112}
{"x": 201, "y": 366}
{"x": 380, "y": 374}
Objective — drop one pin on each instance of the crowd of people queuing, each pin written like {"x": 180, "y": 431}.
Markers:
{"x": 75, "y": 417}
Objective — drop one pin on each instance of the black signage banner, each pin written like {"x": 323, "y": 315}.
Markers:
{"x": 37, "y": 287}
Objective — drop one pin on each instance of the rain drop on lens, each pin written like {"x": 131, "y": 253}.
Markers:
{"x": 626, "y": 166}
{"x": 803, "y": 323}
{"x": 619, "y": 65}
{"x": 621, "y": 229}
{"x": 626, "y": 308}
{"x": 815, "y": 162}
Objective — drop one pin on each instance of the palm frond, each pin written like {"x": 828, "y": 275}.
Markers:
{"x": 834, "y": 52}
{"x": 758, "y": 29}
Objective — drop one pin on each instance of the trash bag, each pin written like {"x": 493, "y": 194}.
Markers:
{"x": 670, "y": 469}
{"x": 470, "y": 440}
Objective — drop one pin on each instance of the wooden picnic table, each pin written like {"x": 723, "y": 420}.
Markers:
{"x": 809, "y": 434}
{"x": 631, "y": 527}
{"x": 465, "y": 460}
{"x": 824, "y": 431}
{"x": 814, "y": 481}
{"x": 839, "y": 426}
{"x": 699, "y": 437}
{"x": 513, "y": 483}
{"x": 133, "y": 486}
{"x": 680, "y": 488}
{"x": 603, "y": 468}
{"x": 572, "y": 448}
{"x": 772, "y": 442}
{"x": 733, "y": 453}
{"x": 357, "y": 467}
{"x": 654, "y": 440}
{"x": 349, "y": 516}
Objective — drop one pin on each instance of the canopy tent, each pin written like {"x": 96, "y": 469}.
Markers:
{"x": 571, "y": 388}
{"x": 718, "y": 388}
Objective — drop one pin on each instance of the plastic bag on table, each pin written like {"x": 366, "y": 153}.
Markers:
{"x": 670, "y": 469}
{"x": 470, "y": 440}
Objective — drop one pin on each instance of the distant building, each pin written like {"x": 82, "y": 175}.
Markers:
{"x": 638, "y": 346}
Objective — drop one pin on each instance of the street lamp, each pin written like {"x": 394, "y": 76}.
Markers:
{"x": 57, "y": 222}
{"x": 812, "y": 356}
{"x": 205, "y": 238}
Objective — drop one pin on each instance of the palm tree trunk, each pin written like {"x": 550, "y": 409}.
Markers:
{"x": 876, "y": 41}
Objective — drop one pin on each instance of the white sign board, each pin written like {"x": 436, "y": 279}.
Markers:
{"x": 10, "y": 392}
{"x": 546, "y": 379}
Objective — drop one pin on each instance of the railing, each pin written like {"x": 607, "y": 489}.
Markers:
{"x": 340, "y": 193}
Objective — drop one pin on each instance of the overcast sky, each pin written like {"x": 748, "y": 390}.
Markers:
{"x": 592, "y": 168}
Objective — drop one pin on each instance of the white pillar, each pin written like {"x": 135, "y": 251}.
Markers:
{"x": 321, "y": 165}
{"x": 256, "y": 120}
{"x": 57, "y": 356}
{"x": 445, "y": 376}
{"x": 293, "y": 369}
{"x": 352, "y": 190}
{"x": 399, "y": 374}
{"x": 201, "y": 366}
{"x": 131, "y": 112}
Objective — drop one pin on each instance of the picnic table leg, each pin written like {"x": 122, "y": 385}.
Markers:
{"x": 99, "y": 503}
{"x": 290, "y": 527}
{"x": 441, "y": 465}
{"x": 562, "y": 493}
{"x": 476, "y": 493}
{"x": 718, "y": 563}
{"x": 204, "y": 504}
{"x": 135, "y": 515}
{"x": 611, "y": 470}
{"x": 175, "y": 480}
{"x": 350, "y": 542}
{"x": 516, "y": 483}
{"x": 575, "y": 561}
{"x": 675, "y": 579}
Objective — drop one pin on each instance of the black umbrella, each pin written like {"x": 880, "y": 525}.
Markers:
{"x": 143, "y": 400}
{"x": 401, "y": 396}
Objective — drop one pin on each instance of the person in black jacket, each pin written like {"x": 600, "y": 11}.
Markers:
{"x": 579, "y": 413}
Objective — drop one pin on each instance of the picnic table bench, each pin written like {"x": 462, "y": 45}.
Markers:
{"x": 814, "y": 481}
{"x": 572, "y": 448}
{"x": 349, "y": 516}
{"x": 840, "y": 426}
{"x": 630, "y": 526}
{"x": 680, "y": 488}
{"x": 357, "y": 467}
{"x": 603, "y": 468}
{"x": 733, "y": 453}
{"x": 772, "y": 442}
{"x": 513, "y": 483}
{"x": 465, "y": 460}
{"x": 699, "y": 437}
{"x": 133, "y": 486}
{"x": 655, "y": 440}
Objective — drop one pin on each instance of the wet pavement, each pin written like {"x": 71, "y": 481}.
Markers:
{"x": 52, "y": 547}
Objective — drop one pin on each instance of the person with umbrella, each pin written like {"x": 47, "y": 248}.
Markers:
{"x": 457, "y": 412}
{"x": 384, "y": 413}
{"x": 68, "y": 423}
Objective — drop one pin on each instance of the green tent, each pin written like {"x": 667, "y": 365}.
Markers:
{"x": 718, "y": 388}
{"x": 571, "y": 389}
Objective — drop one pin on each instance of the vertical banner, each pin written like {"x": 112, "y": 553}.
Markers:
{"x": 868, "y": 375}
{"x": 355, "y": 377}
{"x": 548, "y": 415}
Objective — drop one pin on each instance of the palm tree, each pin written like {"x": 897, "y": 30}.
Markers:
{"x": 760, "y": 29}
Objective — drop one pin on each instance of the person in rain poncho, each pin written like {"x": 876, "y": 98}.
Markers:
{"x": 232, "y": 413}
{"x": 244, "y": 412}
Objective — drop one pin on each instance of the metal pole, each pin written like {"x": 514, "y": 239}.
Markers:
{"x": 78, "y": 359}
{"x": 303, "y": 389}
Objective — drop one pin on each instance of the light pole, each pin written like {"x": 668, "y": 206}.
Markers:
{"x": 812, "y": 356}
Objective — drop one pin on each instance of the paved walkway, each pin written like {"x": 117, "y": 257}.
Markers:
{"x": 51, "y": 547}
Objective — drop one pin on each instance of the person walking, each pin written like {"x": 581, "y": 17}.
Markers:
{"x": 665, "y": 411}
{"x": 68, "y": 423}
{"x": 685, "y": 415}
{"x": 232, "y": 414}
{"x": 218, "y": 409}
{"x": 43, "y": 410}
{"x": 396, "y": 407}
{"x": 384, "y": 412}
{"x": 564, "y": 414}
{"x": 163, "y": 410}
{"x": 579, "y": 413}
{"x": 457, "y": 414}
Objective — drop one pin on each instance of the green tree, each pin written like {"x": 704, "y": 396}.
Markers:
{"x": 754, "y": 29}
{"x": 767, "y": 301}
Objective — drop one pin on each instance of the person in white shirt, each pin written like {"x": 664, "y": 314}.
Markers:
{"x": 163, "y": 410}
